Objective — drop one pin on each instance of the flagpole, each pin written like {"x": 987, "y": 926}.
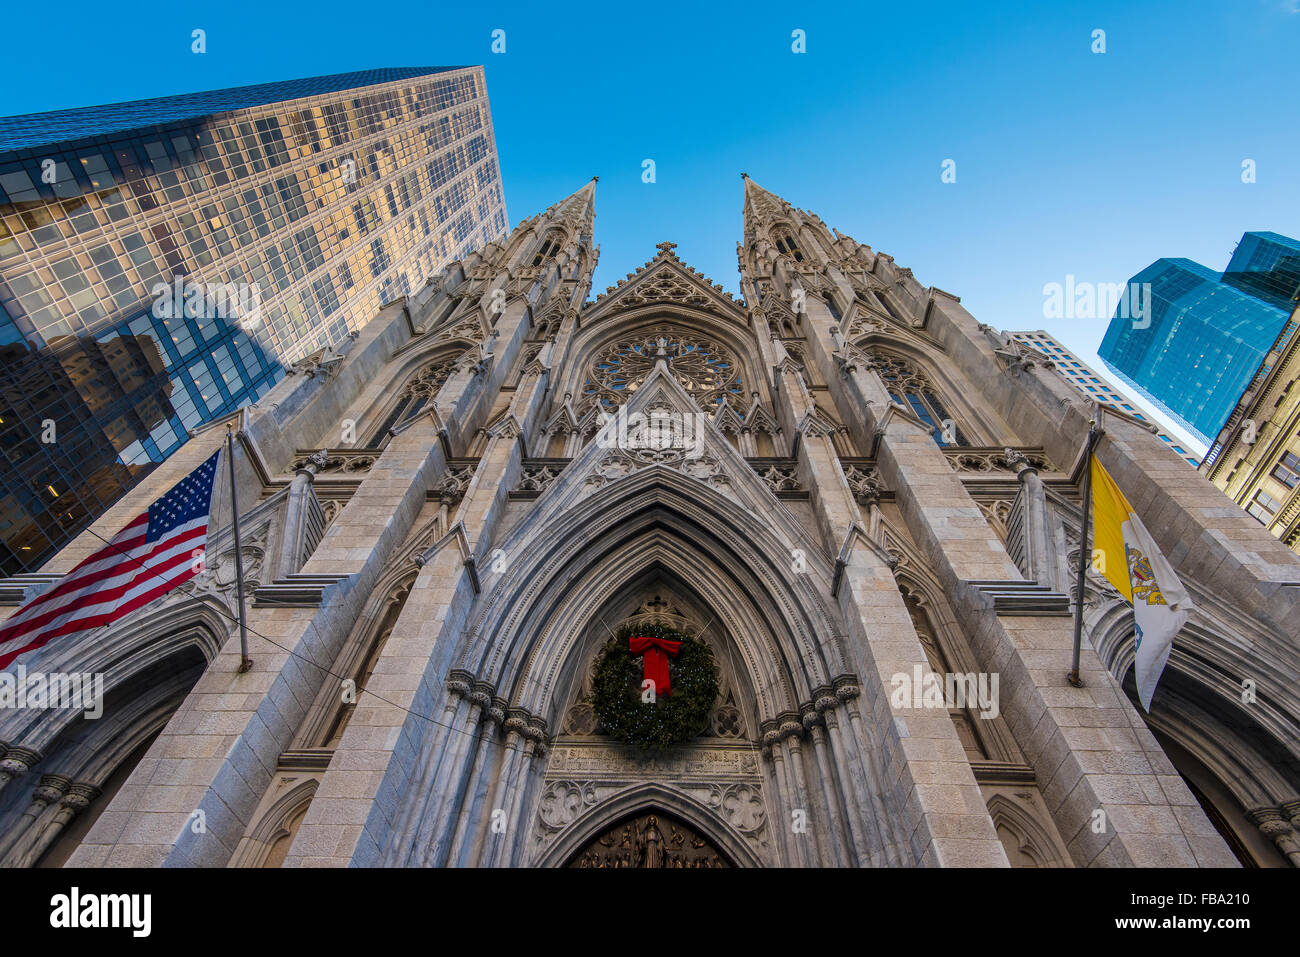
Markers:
{"x": 245, "y": 662}
{"x": 1084, "y": 552}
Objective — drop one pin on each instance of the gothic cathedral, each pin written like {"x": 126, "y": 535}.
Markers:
{"x": 838, "y": 516}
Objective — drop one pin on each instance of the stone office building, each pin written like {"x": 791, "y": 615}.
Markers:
{"x": 441, "y": 532}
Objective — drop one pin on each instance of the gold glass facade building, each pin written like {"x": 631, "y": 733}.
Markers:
{"x": 209, "y": 241}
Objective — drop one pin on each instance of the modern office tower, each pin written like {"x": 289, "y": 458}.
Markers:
{"x": 1207, "y": 333}
{"x": 1087, "y": 381}
{"x": 1267, "y": 266}
{"x": 164, "y": 261}
{"x": 1257, "y": 457}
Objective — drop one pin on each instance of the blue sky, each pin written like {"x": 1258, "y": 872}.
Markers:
{"x": 1067, "y": 161}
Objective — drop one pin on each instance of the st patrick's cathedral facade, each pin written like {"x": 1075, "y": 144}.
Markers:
{"x": 817, "y": 510}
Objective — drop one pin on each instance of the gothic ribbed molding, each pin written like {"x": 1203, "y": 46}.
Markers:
{"x": 811, "y": 714}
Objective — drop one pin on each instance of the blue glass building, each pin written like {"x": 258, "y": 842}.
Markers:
{"x": 1207, "y": 333}
{"x": 1267, "y": 265}
{"x": 316, "y": 200}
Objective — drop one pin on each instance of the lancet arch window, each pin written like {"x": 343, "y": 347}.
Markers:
{"x": 415, "y": 397}
{"x": 709, "y": 372}
{"x": 962, "y": 719}
{"x": 786, "y": 244}
{"x": 360, "y": 669}
{"x": 550, "y": 247}
{"x": 911, "y": 388}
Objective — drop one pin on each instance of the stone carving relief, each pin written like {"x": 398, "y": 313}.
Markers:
{"x": 667, "y": 286}
{"x": 563, "y": 802}
{"x": 650, "y": 839}
{"x": 537, "y": 477}
{"x": 996, "y": 460}
{"x": 865, "y": 483}
{"x": 998, "y": 514}
{"x": 780, "y": 478}
{"x": 336, "y": 461}
{"x": 451, "y": 487}
{"x": 740, "y": 804}
{"x": 621, "y": 462}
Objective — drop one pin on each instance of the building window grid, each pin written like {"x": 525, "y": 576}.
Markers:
{"x": 228, "y": 237}
{"x": 458, "y": 195}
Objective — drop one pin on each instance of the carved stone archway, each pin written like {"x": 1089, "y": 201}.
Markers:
{"x": 650, "y": 838}
{"x": 637, "y": 804}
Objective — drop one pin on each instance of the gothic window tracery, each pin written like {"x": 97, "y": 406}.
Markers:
{"x": 549, "y": 247}
{"x": 787, "y": 246}
{"x": 705, "y": 369}
{"x": 911, "y": 388}
{"x": 361, "y": 676}
{"x": 416, "y": 394}
{"x": 928, "y": 635}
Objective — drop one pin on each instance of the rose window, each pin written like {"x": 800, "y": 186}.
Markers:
{"x": 705, "y": 370}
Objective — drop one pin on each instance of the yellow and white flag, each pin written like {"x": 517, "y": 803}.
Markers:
{"x": 1132, "y": 563}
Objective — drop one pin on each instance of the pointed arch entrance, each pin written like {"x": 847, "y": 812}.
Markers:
{"x": 597, "y": 840}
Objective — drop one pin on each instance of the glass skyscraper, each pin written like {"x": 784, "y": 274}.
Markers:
{"x": 1267, "y": 265}
{"x": 163, "y": 261}
{"x": 1207, "y": 333}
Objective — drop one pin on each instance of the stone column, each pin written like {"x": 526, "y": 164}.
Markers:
{"x": 781, "y": 796}
{"x": 1040, "y": 546}
{"x": 51, "y": 788}
{"x": 818, "y": 817}
{"x": 295, "y": 515}
{"x": 433, "y": 822}
{"x": 71, "y": 804}
{"x": 841, "y": 839}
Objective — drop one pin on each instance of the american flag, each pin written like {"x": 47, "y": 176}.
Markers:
{"x": 161, "y": 549}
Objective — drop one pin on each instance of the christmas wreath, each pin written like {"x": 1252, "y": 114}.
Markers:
{"x": 653, "y": 687}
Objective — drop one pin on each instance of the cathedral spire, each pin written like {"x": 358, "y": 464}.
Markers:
{"x": 563, "y": 232}
{"x": 577, "y": 209}
{"x": 761, "y": 207}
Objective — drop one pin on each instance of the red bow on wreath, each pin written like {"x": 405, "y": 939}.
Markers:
{"x": 657, "y": 651}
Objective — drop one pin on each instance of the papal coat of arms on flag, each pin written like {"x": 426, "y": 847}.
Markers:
{"x": 1145, "y": 578}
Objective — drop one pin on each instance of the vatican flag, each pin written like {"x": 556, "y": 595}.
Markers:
{"x": 1132, "y": 563}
